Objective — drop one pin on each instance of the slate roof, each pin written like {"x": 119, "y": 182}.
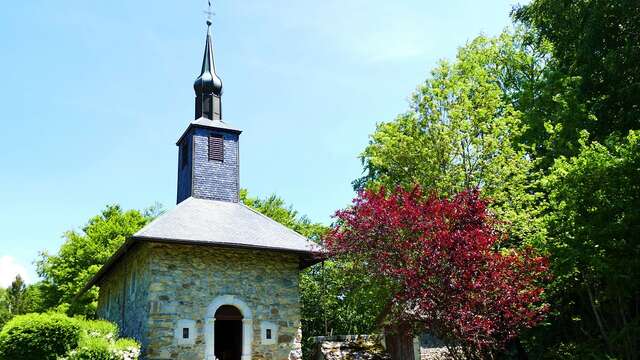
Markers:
{"x": 224, "y": 223}
{"x": 218, "y": 223}
{"x": 203, "y": 122}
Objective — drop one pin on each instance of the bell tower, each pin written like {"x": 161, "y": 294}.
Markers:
{"x": 208, "y": 155}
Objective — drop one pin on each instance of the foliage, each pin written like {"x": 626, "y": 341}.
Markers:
{"x": 98, "y": 341}
{"x": 460, "y": 133}
{"x": 16, "y": 296}
{"x": 57, "y": 336}
{"x": 338, "y": 298}
{"x": 577, "y": 112}
{"x": 5, "y": 313}
{"x": 92, "y": 348}
{"x": 335, "y": 297}
{"x": 275, "y": 208}
{"x": 594, "y": 47}
{"x": 38, "y": 337}
{"x": 439, "y": 259}
{"x": 594, "y": 227}
{"x": 19, "y": 299}
{"x": 83, "y": 253}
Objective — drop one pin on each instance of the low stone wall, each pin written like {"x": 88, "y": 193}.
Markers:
{"x": 371, "y": 347}
{"x": 351, "y": 347}
{"x": 431, "y": 348}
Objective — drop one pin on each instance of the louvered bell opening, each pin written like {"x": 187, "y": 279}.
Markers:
{"x": 216, "y": 148}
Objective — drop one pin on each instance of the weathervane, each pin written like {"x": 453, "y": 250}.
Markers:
{"x": 209, "y": 13}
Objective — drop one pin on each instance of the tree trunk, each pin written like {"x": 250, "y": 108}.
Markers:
{"x": 399, "y": 341}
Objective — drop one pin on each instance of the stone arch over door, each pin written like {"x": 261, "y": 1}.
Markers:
{"x": 247, "y": 325}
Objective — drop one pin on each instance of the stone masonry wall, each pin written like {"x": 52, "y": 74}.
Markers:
{"x": 351, "y": 347}
{"x": 185, "y": 279}
{"x": 124, "y": 292}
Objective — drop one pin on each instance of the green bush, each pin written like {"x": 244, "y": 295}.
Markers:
{"x": 56, "y": 336}
{"x": 99, "y": 328}
{"x": 98, "y": 341}
{"x": 92, "y": 348}
{"x": 38, "y": 337}
{"x": 127, "y": 349}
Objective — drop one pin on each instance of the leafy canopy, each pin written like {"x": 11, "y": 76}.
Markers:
{"x": 460, "y": 133}
{"x": 439, "y": 261}
{"x": 83, "y": 253}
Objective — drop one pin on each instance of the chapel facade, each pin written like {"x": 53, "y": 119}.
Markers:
{"x": 211, "y": 278}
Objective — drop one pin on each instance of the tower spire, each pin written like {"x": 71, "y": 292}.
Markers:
{"x": 208, "y": 86}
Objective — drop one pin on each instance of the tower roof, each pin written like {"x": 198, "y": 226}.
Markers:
{"x": 208, "y": 82}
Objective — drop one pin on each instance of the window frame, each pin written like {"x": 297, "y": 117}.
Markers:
{"x": 218, "y": 155}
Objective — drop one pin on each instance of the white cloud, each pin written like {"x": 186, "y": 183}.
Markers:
{"x": 9, "y": 268}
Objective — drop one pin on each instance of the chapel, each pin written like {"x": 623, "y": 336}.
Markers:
{"x": 210, "y": 278}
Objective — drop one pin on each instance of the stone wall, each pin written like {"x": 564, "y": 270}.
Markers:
{"x": 371, "y": 347}
{"x": 185, "y": 279}
{"x": 124, "y": 293}
{"x": 352, "y": 347}
{"x": 431, "y": 348}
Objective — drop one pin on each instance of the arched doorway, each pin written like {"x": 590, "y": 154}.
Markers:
{"x": 211, "y": 330}
{"x": 228, "y": 333}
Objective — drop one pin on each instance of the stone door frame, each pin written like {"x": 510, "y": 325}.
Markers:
{"x": 247, "y": 325}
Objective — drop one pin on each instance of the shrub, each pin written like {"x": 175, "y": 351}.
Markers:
{"x": 99, "y": 328}
{"x": 92, "y": 348}
{"x": 38, "y": 337}
{"x": 127, "y": 349}
{"x": 57, "y": 336}
{"x": 98, "y": 341}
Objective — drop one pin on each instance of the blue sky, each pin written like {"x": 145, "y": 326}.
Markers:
{"x": 94, "y": 95}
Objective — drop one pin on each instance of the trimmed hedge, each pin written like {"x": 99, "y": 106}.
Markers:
{"x": 38, "y": 337}
{"x": 56, "y": 336}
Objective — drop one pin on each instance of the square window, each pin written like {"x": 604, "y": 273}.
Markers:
{"x": 185, "y": 332}
{"x": 268, "y": 332}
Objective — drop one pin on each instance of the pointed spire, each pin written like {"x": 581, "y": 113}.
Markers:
{"x": 208, "y": 86}
{"x": 208, "y": 82}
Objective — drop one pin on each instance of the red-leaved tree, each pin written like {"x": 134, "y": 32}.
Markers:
{"x": 441, "y": 258}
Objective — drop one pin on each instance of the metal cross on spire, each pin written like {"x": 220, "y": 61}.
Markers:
{"x": 209, "y": 13}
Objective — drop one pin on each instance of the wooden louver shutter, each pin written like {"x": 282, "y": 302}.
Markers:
{"x": 216, "y": 148}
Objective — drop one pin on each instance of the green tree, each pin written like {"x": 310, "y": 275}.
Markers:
{"x": 577, "y": 115}
{"x": 276, "y": 208}
{"x": 335, "y": 297}
{"x": 5, "y": 313}
{"x": 461, "y": 132}
{"x": 594, "y": 226}
{"x": 19, "y": 299}
{"x": 592, "y": 80}
{"x": 83, "y": 253}
{"x": 595, "y": 48}
{"x": 16, "y": 296}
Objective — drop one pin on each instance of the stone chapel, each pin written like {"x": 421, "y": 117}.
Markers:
{"x": 211, "y": 278}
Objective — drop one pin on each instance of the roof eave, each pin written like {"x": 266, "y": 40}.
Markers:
{"x": 211, "y": 127}
{"x": 307, "y": 253}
